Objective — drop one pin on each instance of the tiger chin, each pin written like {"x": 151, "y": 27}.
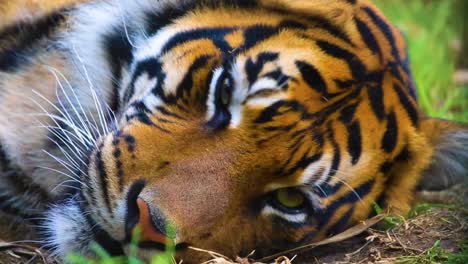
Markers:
{"x": 228, "y": 125}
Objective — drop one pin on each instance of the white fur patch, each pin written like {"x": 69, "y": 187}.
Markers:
{"x": 141, "y": 86}
{"x": 151, "y": 101}
{"x": 67, "y": 230}
{"x": 294, "y": 218}
{"x": 265, "y": 101}
{"x": 211, "y": 93}
{"x": 239, "y": 93}
{"x": 264, "y": 84}
{"x": 312, "y": 169}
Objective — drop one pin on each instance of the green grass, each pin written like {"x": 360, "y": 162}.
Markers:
{"x": 102, "y": 257}
{"x": 436, "y": 254}
{"x": 431, "y": 28}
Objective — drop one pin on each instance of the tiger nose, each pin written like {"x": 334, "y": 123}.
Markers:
{"x": 139, "y": 215}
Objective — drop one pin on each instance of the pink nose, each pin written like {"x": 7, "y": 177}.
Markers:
{"x": 139, "y": 214}
{"x": 148, "y": 232}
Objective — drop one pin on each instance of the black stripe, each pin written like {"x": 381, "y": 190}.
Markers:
{"x": 342, "y": 224}
{"x": 117, "y": 153}
{"x": 386, "y": 167}
{"x": 324, "y": 24}
{"x": 394, "y": 68}
{"x": 102, "y": 173}
{"x": 278, "y": 108}
{"x": 404, "y": 155}
{"x": 19, "y": 39}
{"x": 119, "y": 54}
{"x": 347, "y": 113}
{"x": 4, "y": 160}
{"x": 143, "y": 117}
{"x": 305, "y": 161}
{"x": 252, "y": 35}
{"x": 156, "y": 20}
{"x": 407, "y": 105}
{"x": 186, "y": 85}
{"x": 166, "y": 112}
{"x": 386, "y": 29}
{"x": 390, "y": 137}
{"x": 133, "y": 212}
{"x": 150, "y": 66}
{"x": 358, "y": 69}
{"x": 312, "y": 77}
{"x": 354, "y": 141}
{"x": 254, "y": 68}
{"x": 376, "y": 95}
{"x": 258, "y": 33}
{"x": 159, "y": 18}
{"x": 369, "y": 38}
{"x": 284, "y": 107}
{"x": 323, "y": 115}
{"x": 217, "y": 35}
{"x": 280, "y": 77}
{"x": 131, "y": 143}
{"x": 336, "y": 152}
{"x": 351, "y": 197}
{"x": 120, "y": 174}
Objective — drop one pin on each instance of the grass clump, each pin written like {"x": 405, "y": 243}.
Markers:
{"x": 102, "y": 257}
{"x": 437, "y": 254}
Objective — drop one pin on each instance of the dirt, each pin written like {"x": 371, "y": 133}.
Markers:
{"x": 412, "y": 237}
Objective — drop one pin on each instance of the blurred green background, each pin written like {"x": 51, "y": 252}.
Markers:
{"x": 437, "y": 35}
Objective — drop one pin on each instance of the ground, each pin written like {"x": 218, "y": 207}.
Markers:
{"x": 433, "y": 234}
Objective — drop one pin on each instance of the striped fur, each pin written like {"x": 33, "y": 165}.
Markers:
{"x": 201, "y": 112}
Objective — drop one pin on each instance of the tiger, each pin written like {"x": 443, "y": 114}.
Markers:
{"x": 223, "y": 125}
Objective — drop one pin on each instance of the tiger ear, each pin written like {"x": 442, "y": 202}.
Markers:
{"x": 338, "y": 11}
{"x": 449, "y": 163}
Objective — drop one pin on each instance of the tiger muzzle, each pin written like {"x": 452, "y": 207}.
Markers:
{"x": 146, "y": 222}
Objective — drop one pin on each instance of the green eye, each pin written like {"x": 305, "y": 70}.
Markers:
{"x": 290, "y": 198}
{"x": 225, "y": 92}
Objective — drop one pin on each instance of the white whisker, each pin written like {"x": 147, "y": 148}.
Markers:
{"x": 67, "y": 122}
{"x": 65, "y": 174}
{"x": 345, "y": 183}
{"x": 67, "y": 166}
{"x": 70, "y": 144}
{"x": 64, "y": 185}
{"x": 72, "y": 104}
{"x": 124, "y": 23}
{"x": 97, "y": 103}
{"x": 76, "y": 165}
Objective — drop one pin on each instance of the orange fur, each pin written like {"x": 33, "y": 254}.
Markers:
{"x": 357, "y": 116}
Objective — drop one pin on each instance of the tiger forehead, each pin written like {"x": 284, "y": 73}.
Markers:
{"x": 230, "y": 17}
{"x": 229, "y": 28}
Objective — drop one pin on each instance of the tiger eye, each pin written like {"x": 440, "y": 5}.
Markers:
{"x": 225, "y": 92}
{"x": 290, "y": 198}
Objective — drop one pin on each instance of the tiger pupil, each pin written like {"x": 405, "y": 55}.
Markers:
{"x": 290, "y": 198}
{"x": 225, "y": 92}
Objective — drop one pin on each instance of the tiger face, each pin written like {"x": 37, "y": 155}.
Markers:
{"x": 244, "y": 125}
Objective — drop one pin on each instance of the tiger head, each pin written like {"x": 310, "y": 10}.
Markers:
{"x": 249, "y": 125}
